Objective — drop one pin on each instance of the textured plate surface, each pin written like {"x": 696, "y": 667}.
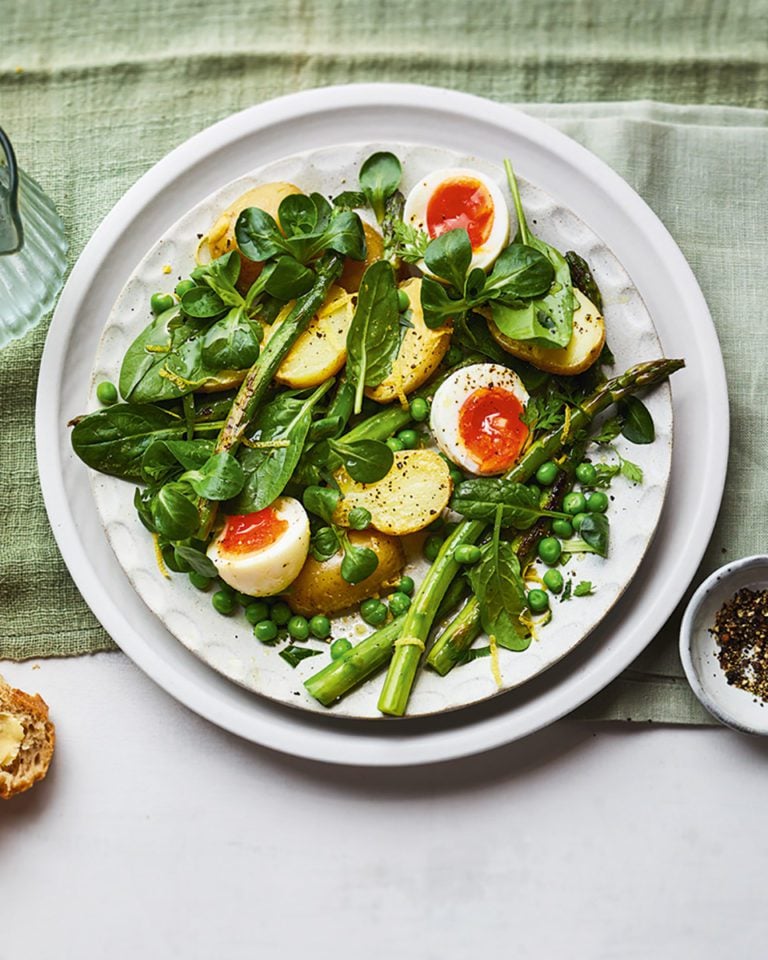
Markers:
{"x": 398, "y": 113}
{"x": 227, "y": 643}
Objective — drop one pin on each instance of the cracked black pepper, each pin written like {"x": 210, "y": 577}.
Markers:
{"x": 741, "y": 632}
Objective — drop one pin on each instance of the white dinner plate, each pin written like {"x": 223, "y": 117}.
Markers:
{"x": 389, "y": 113}
{"x": 227, "y": 644}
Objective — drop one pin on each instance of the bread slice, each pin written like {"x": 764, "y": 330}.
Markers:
{"x": 25, "y": 716}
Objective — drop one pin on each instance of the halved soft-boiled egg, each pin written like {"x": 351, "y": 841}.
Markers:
{"x": 476, "y": 418}
{"x": 459, "y": 198}
{"x": 262, "y": 553}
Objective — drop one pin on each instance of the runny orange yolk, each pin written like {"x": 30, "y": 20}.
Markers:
{"x": 249, "y": 532}
{"x": 462, "y": 203}
{"x": 491, "y": 429}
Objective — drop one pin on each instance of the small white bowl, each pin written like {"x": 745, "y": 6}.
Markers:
{"x": 731, "y": 705}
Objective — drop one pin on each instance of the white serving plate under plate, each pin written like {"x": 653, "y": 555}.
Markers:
{"x": 577, "y": 181}
{"x": 227, "y": 643}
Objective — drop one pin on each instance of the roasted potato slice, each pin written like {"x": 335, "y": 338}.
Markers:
{"x": 582, "y": 351}
{"x": 420, "y": 354}
{"x": 414, "y": 492}
{"x": 320, "y": 588}
{"x": 321, "y": 351}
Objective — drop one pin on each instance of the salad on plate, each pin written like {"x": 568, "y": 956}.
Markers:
{"x": 382, "y": 414}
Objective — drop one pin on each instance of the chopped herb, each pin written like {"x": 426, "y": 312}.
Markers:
{"x": 294, "y": 655}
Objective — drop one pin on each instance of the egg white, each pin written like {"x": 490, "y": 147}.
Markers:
{"x": 415, "y": 212}
{"x": 451, "y": 396}
{"x": 271, "y": 569}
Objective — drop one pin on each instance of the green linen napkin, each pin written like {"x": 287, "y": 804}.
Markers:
{"x": 92, "y": 99}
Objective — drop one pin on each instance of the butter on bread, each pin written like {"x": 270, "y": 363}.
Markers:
{"x": 26, "y": 740}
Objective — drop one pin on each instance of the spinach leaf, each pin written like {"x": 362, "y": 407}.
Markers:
{"x": 359, "y": 518}
{"x": 325, "y": 543}
{"x": 115, "y": 439}
{"x": 173, "y": 511}
{"x": 233, "y": 342}
{"x": 287, "y": 279}
{"x": 220, "y": 478}
{"x": 449, "y": 256}
{"x": 547, "y": 319}
{"x": 593, "y": 536}
{"x": 636, "y": 422}
{"x": 166, "y": 459}
{"x": 258, "y": 235}
{"x": 350, "y": 199}
{"x": 365, "y": 460}
{"x": 380, "y": 177}
{"x": 520, "y": 272}
{"x": 483, "y": 498}
{"x": 322, "y": 501}
{"x": 373, "y": 339}
{"x": 294, "y": 655}
{"x": 498, "y": 585}
{"x": 203, "y": 303}
{"x": 196, "y": 559}
{"x": 279, "y": 432}
{"x": 358, "y": 563}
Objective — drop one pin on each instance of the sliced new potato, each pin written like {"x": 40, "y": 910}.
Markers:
{"x": 583, "y": 348}
{"x": 353, "y": 270}
{"x": 320, "y": 587}
{"x": 321, "y": 351}
{"x": 413, "y": 494}
{"x": 221, "y": 237}
{"x": 420, "y": 354}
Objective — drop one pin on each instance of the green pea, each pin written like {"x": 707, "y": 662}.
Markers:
{"x": 549, "y": 550}
{"x": 562, "y": 529}
{"x": 398, "y": 603}
{"x": 456, "y": 476}
{"x": 409, "y": 439}
{"x": 320, "y": 627}
{"x": 574, "y": 503}
{"x": 553, "y": 580}
{"x": 184, "y": 286}
{"x": 403, "y": 301}
{"x": 281, "y": 613}
{"x": 578, "y": 520}
{"x": 597, "y": 502}
{"x": 225, "y": 588}
{"x": 339, "y": 647}
{"x": 199, "y": 581}
{"x": 256, "y": 612}
{"x": 374, "y": 612}
{"x": 467, "y": 553}
{"x": 106, "y": 393}
{"x": 223, "y": 603}
{"x": 160, "y": 302}
{"x": 432, "y": 547}
{"x": 242, "y": 598}
{"x": 538, "y": 601}
{"x": 546, "y": 474}
{"x": 419, "y": 409}
{"x": 406, "y": 586}
{"x": 265, "y": 631}
{"x": 394, "y": 444}
{"x": 586, "y": 474}
{"x": 455, "y": 355}
{"x": 298, "y": 628}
